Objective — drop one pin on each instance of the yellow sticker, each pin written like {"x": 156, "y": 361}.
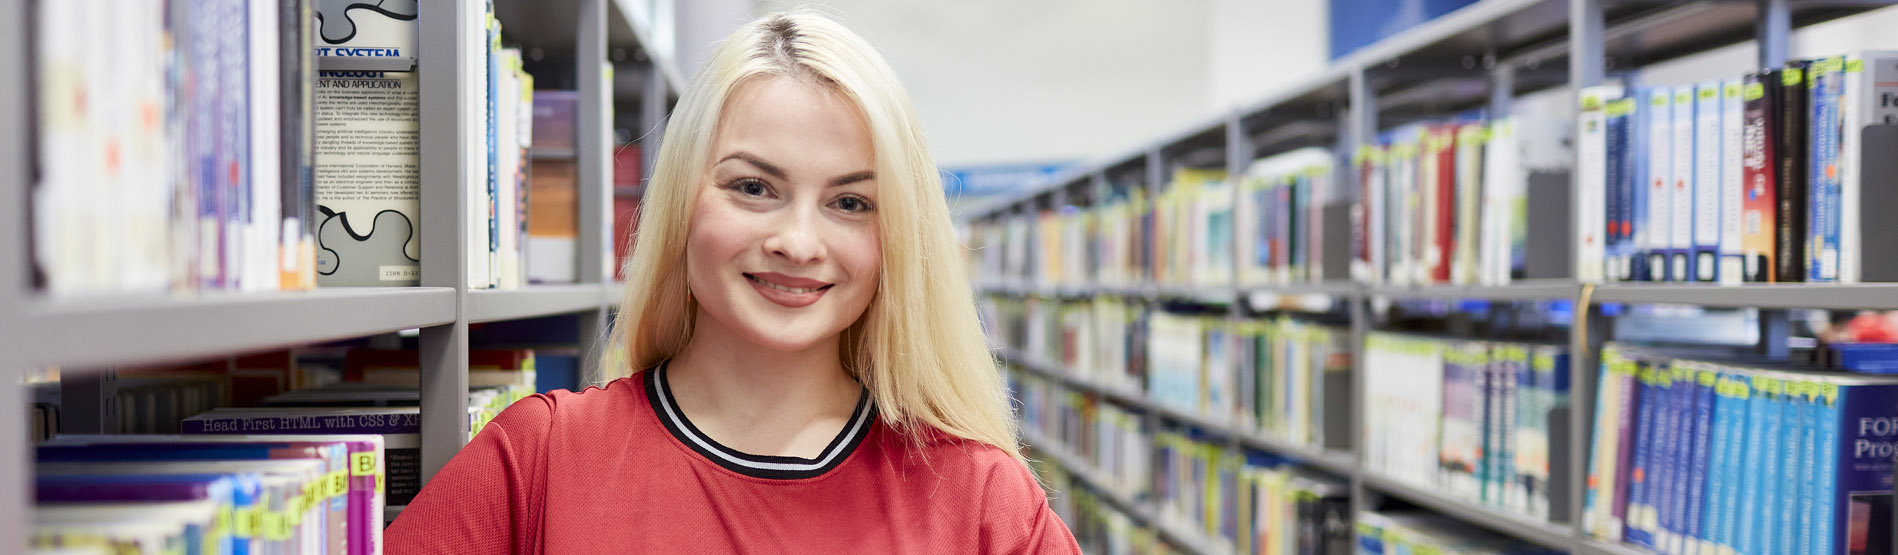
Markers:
{"x": 337, "y": 484}
{"x": 1755, "y": 91}
{"x": 362, "y": 464}
{"x": 1707, "y": 93}
{"x": 1791, "y": 76}
{"x": 271, "y": 526}
{"x": 1854, "y": 65}
{"x": 1730, "y": 90}
{"x": 1683, "y": 97}
{"x": 242, "y": 523}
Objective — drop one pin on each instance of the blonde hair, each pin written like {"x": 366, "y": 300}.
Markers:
{"x": 918, "y": 348}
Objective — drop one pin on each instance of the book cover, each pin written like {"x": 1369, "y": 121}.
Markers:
{"x": 1660, "y": 181}
{"x": 1789, "y": 237}
{"x": 1856, "y": 434}
{"x": 1444, "y": 234}
{"x": 1708, "y": 140}
{"x": 399, "y": 426}
{"x": 367, "y": 179}
{"x": 366, "y": 37}
{"x": 1714, "y": 529}
{"x": 1626, "y": 428}
{"x": 1791, "y": 512}
{"x": 1599, "y": 487}
{"x": 1470, "y": 138}
{"x": 1772, "y": 408}
{"x": 1669, "y": 470}
{"x": 1759, "y": 165}
{"x": 1681, "y": 190}
{"x": 1732, "y": 257}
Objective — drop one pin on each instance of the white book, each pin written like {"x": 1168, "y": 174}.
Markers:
{"x": 1871, "y": 78}
{"x": 1660, "y": 180}
{"x": 261, "y": 230}
{"x": 1378, "y": 214}
{"x": 1592, "y": 181}
{"x": 508, "y": 106}
{"x": 1732, "y": 181}
{"x": 1708, "y": 141}
{"x": 1503, "y": 184}
{"x": 1681, "y": 219}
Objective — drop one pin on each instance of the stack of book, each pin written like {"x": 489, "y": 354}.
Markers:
{"x": 1109, "y": 438}
{"x": 1281, "y": 218}
{"x": 1248, "y": 502}
{"x": 1446, "y": 203}
{"x": 1470, "y": 419}
{"x": 1295, "y": 381}
{"x": 1756, "y": 178}
{"x": 212, "y": 494}
{"x": 175, "y": 151}
{"x": 1691, "y": 453}
{"x": 1400, "y": 533}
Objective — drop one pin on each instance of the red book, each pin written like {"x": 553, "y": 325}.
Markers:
{"x": 1446, "y": 204}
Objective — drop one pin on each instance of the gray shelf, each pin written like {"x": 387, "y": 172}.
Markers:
{"x": 1337, "y": 462}
{"x": 1550, "y": 535}
{"x": 533, "y": 302}
{"x": 116, "y": 331}
{"x": 1530, "y": 290}
{"x": 1831, "y": 296}
{"x": 1191, "y": 542}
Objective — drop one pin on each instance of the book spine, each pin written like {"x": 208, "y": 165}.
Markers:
{"x": 1732, "y": 122}
{"x": 1613, "y": 236}
{"x": 298, "y": 248}
{"x": 1592, "y": 167}
{"x": 1640, "y": 527}
{"x": 1671, "y": 440}
{"x": 1871, "y": 86}
{"x": 1713, "y": 521}
{"x": 1469, "y": 190}
{"x": 1793, "y": 447}
{"x": 263, "y": 221}
{"x": 1708, "y": 141}
{"x": 1446, "y": 225}
{"x": 1745, "y": 532}
{"x": 1502, "y": 458}
{"x": 1759, "y": 168}
{"x": 1626, "y": 427}
{"x": 1808, "y": 459}
{"x": 1789, "y": 240}
{"x": 1704, "y": 381}
{"x": 1660, "y": 181}
{"x": 1681, "y": 192}
{"x": 1826, "y": 471}
{"x": 1822, "y": 155}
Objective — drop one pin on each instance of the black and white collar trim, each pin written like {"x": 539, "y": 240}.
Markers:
{"x": 659, "y": 392}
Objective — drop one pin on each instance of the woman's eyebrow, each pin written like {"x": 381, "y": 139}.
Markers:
{"x": 847, "y": 179}
{"x": 754, "y": 160}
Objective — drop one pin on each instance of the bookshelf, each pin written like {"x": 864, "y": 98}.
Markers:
{"x": 87, "y": 336}
{"x": 1484, "y": 55}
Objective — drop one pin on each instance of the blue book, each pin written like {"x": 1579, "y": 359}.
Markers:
{"x": 1639, "y": 530}
{"x": 1634, "y": 203}
{"x": 1667, "y": 444}
{"x": 1823, "y": 185}
{"x": 1739, "y": 397}
{"x": 1617, "y": 114}
{"x": 1808, "y": 463}
{"x": 1685, "y": 422}
{"x": 1704, "y": 380}
{"x": 1793, "y": 426}
{"x": 1857, "y": 429}
{"x": 1770, "y": 454}
{"x": 1713, "y": 522}
{"x": 1746, "y": 528}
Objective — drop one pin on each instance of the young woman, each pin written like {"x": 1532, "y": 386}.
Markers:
{"x": 807, "y": 373}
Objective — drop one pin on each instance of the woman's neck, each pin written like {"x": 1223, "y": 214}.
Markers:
{"x": 760, "y": 401}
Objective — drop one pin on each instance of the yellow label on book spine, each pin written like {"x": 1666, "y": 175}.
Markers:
{"x": 1755, "y": 91}
{"x": 362, "y": 464}
{"x": 336, "y": 484}
{"x": 242, "y": 523}
{"x": 1791, "y": 76}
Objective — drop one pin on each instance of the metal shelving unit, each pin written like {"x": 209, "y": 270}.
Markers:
{"x": 1092, "y": 480}
{"x": 88, "y": 336}
{"x": 1479, "y": 56}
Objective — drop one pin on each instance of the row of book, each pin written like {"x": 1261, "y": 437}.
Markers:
{"x": 1408, "y": 532}
{"x": 1097, "y": 525}
{"x": 1754, "y": 178}
{"x": 1110, "y": 438}
{"x": 1695, "y": 454}
{"x": 1470, "y": 419}
{"x": 1248, "y": 502}
{"x": 217, "y": 493}
{"x": 1447, "y": 202}
{"x": 1280, "y": 219}
{"x": 175, "y": 151}
{"x": 251, "y": 146}
{"x": 1101, "y": 340}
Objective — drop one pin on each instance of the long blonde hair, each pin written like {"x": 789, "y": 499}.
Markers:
{"x": 918, "y": 347}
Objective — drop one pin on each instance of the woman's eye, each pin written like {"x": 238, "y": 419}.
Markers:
{"x": 853, "y": 204}
{"x": 750, "y": 188}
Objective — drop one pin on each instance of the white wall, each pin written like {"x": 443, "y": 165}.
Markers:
{"x": 1001, "y": 81}
{"x": 1262, "y": 46}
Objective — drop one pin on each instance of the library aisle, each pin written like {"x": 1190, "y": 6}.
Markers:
{"x": 1511, "y": 276}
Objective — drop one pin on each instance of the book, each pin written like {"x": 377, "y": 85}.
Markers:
{"x": 1708, "y": 195}
{"x": 1680, "y": 217}
{"x": 1870, "y": 79}
{"x": 1732, "y": 256}
{"x": 1660, "y": 180}
{"x": 1822, "y": 231}
{"x": 1761, "y": 94}
{"x": 1618, "y": 114}
{"x": 294, "y": 512}
{"x": 1789, "y": 236}
{"x": 147, "y": 514}
{"x": 400, "y": 428}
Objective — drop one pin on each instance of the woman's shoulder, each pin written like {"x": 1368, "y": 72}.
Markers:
{"x": 563, "y": 408}
{"x": 975, "y": 463}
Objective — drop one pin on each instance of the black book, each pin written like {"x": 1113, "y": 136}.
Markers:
{"x": 1789, "y": 231}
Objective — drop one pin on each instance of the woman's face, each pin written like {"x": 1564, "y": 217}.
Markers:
{"x": 782, "y": 250}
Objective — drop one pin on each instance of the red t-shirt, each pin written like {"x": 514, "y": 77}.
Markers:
{"x": 620, "y": 470}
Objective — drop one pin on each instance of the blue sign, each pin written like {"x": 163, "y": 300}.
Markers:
{"x": 985, "y": 181}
